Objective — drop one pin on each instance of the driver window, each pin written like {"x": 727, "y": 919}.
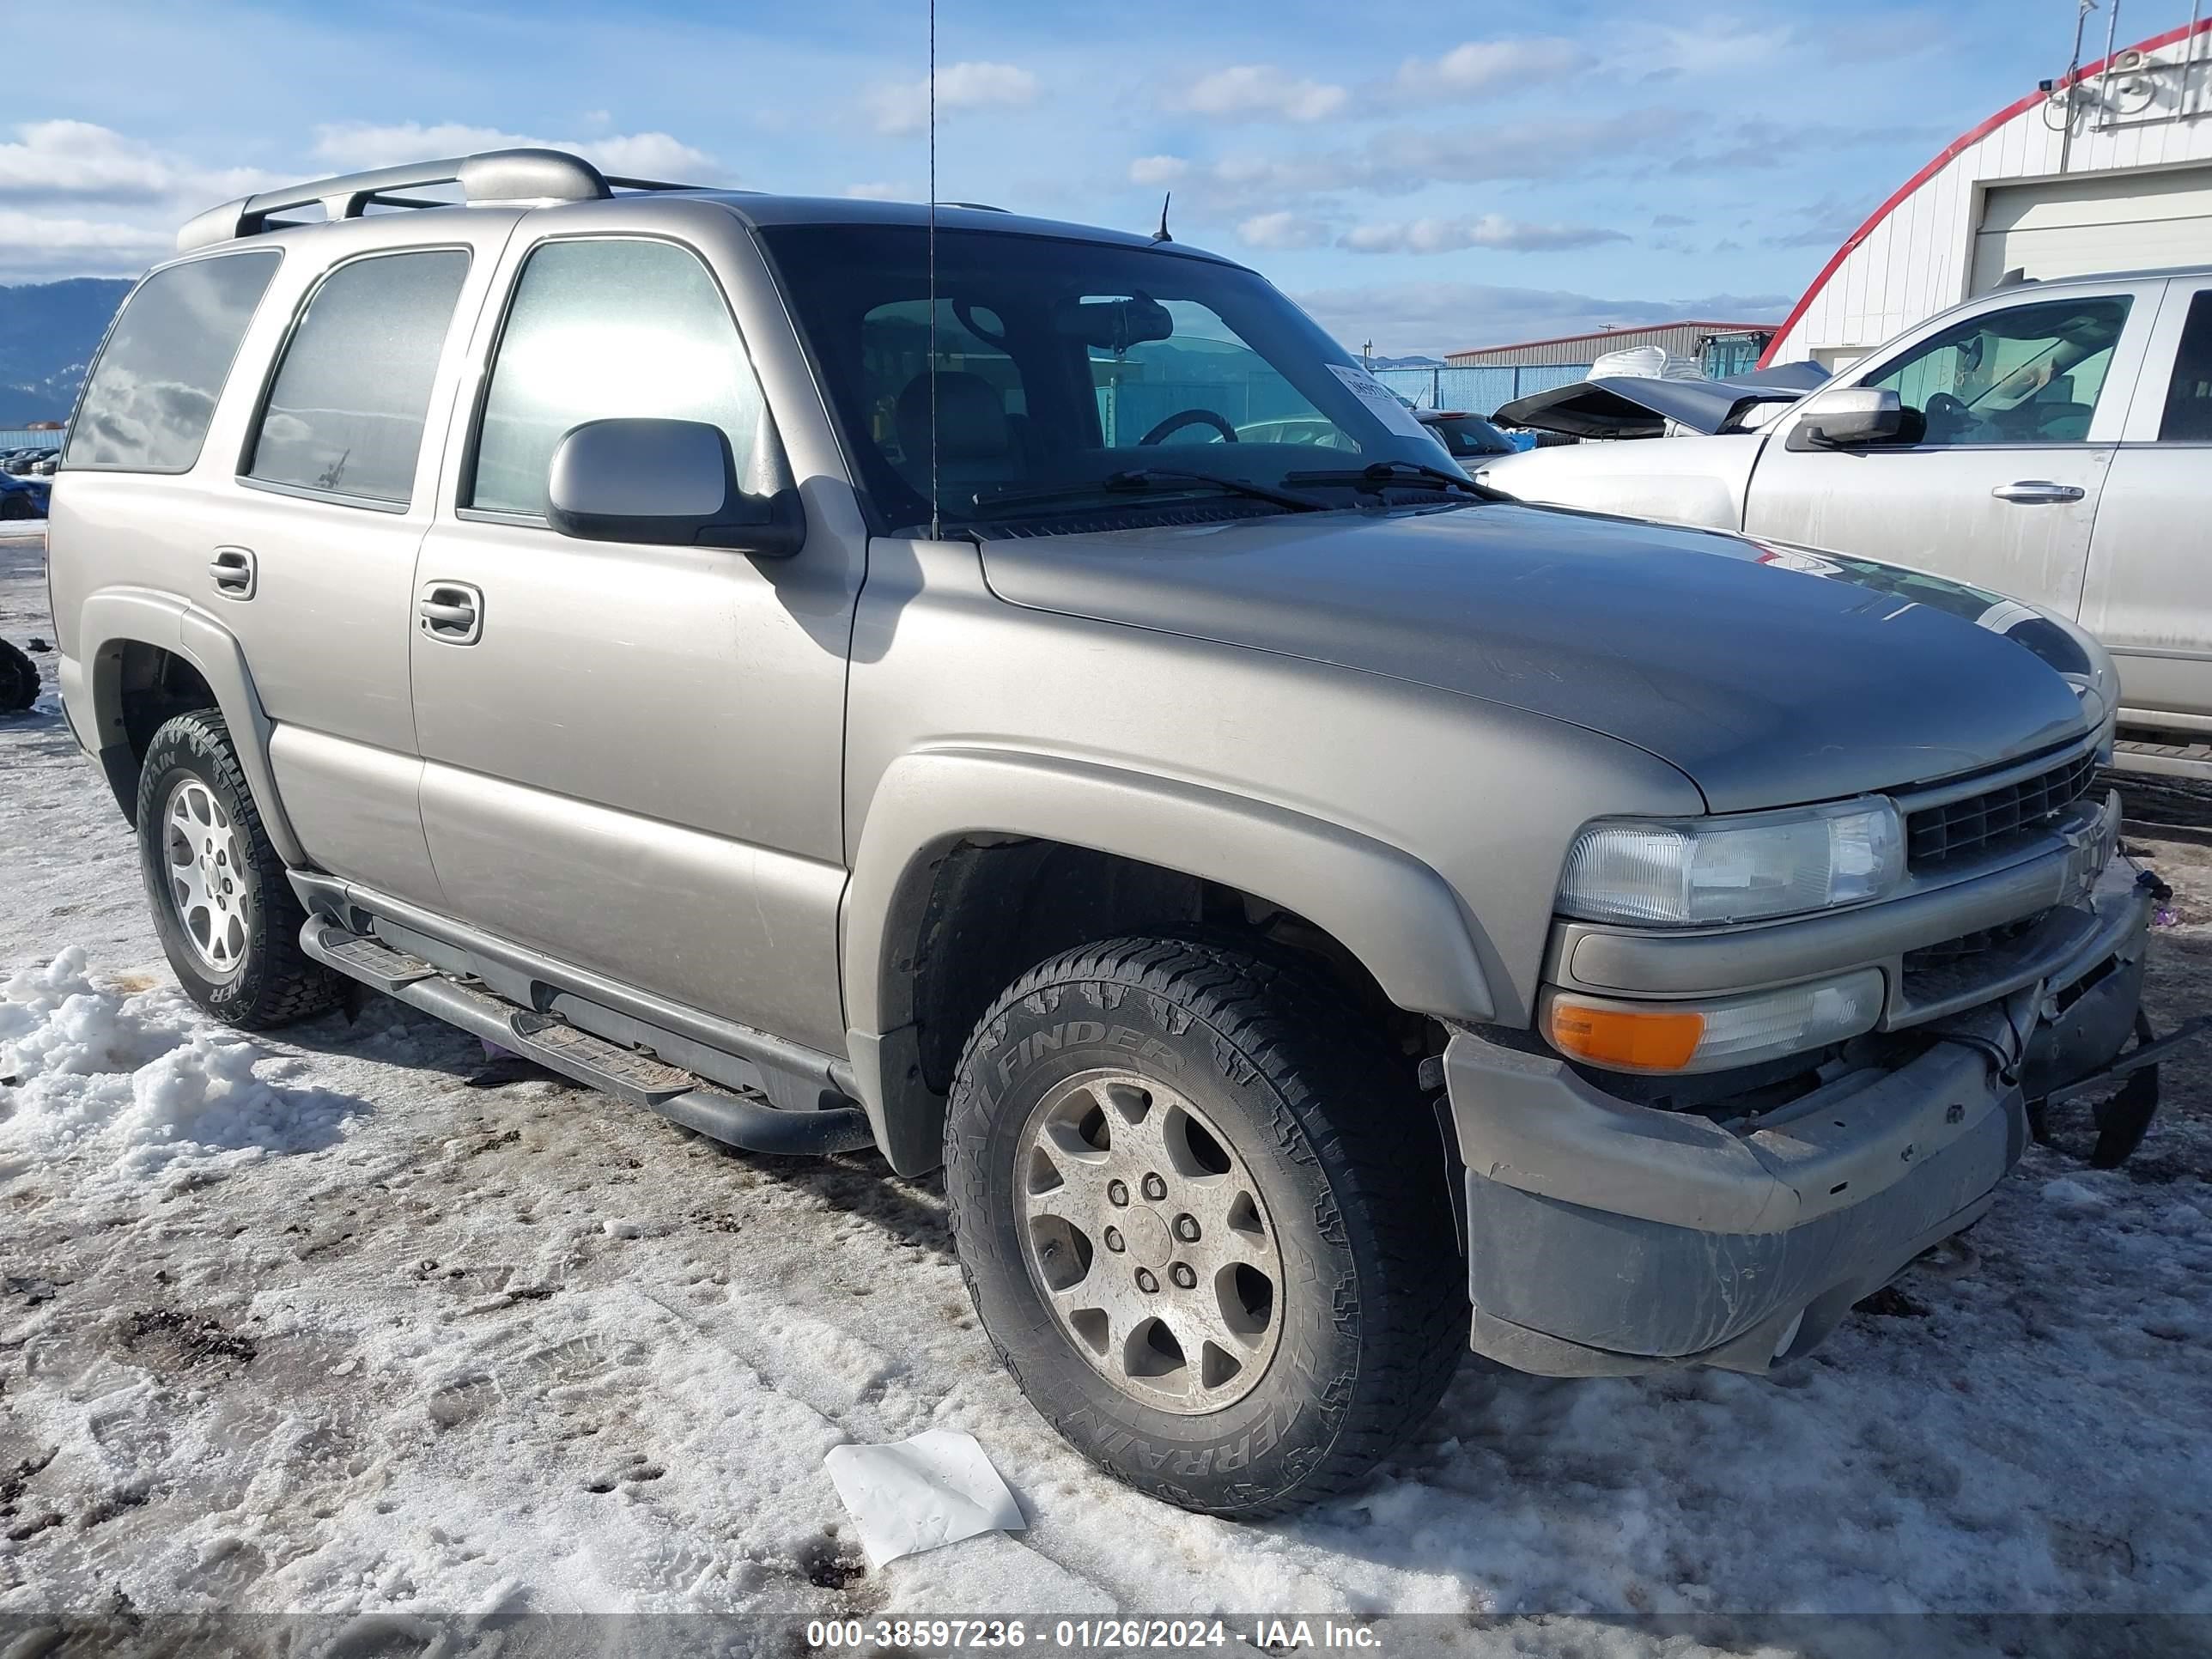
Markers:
{"x": 1201, "y": 384}
{"x": 2026, "y": 374}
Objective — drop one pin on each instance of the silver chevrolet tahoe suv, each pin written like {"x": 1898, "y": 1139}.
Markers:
{"x": 846, "y": 677}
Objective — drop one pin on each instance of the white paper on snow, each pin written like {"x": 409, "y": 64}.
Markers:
{"x": 915, "y": 1495}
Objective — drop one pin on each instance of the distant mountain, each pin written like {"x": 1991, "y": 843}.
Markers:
{"x": 1406, "y": 363}
{"x": 48, "y": 332}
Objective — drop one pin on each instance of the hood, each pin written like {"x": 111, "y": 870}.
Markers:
{"x": 1639, "y": 405}
{"x": 1766, "y": 677}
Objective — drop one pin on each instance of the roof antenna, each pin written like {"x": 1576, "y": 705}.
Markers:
{"x": 934, "y": 529}
{"x": 1161, "y": 235}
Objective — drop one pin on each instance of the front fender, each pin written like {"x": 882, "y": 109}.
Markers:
{"x": 114, "y": 619}
{"x": 1396, "y": 914}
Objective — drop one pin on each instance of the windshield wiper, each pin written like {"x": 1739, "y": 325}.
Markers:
{"x": 1378, "y": 474}
{"x": 1136, "y": 480}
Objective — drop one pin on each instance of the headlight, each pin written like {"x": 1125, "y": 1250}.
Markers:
{"x": 1716, "y": 1034}
{"x": 1690, "y": 872}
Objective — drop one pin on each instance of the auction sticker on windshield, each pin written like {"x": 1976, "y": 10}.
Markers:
{"x": 1381, "y": 400}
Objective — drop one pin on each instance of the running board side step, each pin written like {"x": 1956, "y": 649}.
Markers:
{"x": 634, "y": 1076}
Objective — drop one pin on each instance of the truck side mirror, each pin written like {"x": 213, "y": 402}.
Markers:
{"x": 1849, "y": 415}
{"x": 672, "y": 484}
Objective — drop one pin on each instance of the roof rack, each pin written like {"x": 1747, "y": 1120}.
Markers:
{"x": 497, "y": 178}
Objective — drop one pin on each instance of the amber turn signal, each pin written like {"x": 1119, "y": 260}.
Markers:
{"x": 1627, "y": 1039}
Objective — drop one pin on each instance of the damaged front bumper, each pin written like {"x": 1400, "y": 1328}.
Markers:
{"x": 1607, "y": 1238}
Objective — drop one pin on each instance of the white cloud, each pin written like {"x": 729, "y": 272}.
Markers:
{"x": 638, "y": 155}
{"x": 1261, "y": 92}
{"x": 1158, "y": 169}
{"x": 77, "y": 162}
{"x": 878, "y": 192}
{"x": 1282, "y": 230}
{"x": 904, "y": 108}
{"x": 1491, "y": 230}
{"x": 40, "y": 247}
{"x": 1479, "y": 65}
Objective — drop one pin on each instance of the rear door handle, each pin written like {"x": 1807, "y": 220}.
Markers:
{"x": 235, "y": 572}
{"x": 2029, "y": 491}
{"x": 451, "y": 612}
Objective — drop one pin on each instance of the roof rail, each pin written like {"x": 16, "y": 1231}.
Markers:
{"x": 497, "y": 178}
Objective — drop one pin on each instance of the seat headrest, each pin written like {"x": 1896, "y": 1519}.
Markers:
{"x": 971, "y": 419}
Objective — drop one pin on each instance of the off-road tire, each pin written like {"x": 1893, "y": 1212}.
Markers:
{"x": 16, "y": 504}
{"x": 275, "y": 983}
{"x": 1327, "y": 1118}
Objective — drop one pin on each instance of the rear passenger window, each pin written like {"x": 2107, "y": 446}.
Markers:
{"x": 2188, "y": 418}
{"x": 602, "y": 330}
{"x": 345, "y": 412}
{"x": 151, "y": 396}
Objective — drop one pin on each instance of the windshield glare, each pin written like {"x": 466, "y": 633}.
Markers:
{"x": 1064, "y": 363}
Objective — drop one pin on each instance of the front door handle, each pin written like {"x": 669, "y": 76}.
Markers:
{"x": 451, "y": 613}
{"x": 2029, "y": 491}
{"x": 235, "y": 571}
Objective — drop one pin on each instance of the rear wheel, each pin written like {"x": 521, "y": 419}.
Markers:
{"x": 228, "y": 920}
{"x": 1202, "y": 1211}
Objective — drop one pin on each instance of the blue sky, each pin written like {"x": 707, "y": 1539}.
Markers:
{"x": 1427, "y": 175}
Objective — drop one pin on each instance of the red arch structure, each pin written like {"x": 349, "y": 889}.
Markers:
{"x": 1943, "y": 158}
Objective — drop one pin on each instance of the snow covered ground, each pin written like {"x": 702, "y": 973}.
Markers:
{"x": 309, "y": 1323}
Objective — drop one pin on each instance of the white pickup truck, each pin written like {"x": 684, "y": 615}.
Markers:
{"x": 2050, "y": 442}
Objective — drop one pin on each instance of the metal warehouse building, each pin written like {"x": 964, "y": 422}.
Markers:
{"x": 1680, "y": 339}
{"x": 2108, "y": 169}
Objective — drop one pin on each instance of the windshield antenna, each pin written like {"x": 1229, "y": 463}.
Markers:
{"x": 1161, "y": 235}
{"x": 934, "y": 534}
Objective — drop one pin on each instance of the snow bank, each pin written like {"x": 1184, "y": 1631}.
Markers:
{"x": 135, "y": 1086}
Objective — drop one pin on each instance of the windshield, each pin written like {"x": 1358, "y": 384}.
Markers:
{"x": 1064, "y": 368}
{"x": 1469, "y": 435}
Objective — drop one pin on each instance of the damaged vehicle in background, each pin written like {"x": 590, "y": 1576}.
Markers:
{"x": 2051, "y": 441}
{"x": 1318, "y": 915}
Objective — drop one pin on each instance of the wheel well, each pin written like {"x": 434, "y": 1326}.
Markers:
{"x": 152, "y": 685}
{"x": 996, "y": 908}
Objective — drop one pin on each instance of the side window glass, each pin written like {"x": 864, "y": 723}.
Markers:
{"x": 606, "y": 330}
{"x": 2026, "y": 374}
{"x": 345, "y": 412}
{"x": 151, "y": 396}
{"x": 2187, "y": 418}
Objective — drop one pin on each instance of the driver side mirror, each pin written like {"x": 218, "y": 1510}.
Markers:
{"x": 668, "y": 483}
{"x": 1849, "y": 415}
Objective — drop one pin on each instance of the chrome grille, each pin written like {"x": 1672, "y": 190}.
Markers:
{"x": 1936, "y": 834}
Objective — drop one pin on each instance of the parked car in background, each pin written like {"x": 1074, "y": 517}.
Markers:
{"x": 19, "y": 462}
{"x": 1322, "y": 434}
{"x": 2048, "y": 441}
{"x": 22, "y": 498}
{"x": 1466, "y": 436}
{"x": 1319, "y": 915}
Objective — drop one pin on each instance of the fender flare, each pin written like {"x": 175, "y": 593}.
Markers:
{"x": 115, "y": 618}
{"x": 1395, "y": 914}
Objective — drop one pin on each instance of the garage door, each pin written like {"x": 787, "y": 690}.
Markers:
{"x": 2102, "y": 222}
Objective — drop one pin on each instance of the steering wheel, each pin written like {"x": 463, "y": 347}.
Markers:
{"x": 1182, "y": 418}
{"x": 1947, "y": 416}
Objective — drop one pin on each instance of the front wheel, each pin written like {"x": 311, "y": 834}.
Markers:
{"x": 228, "y": 920}
{"x": 1202, "y": 1211}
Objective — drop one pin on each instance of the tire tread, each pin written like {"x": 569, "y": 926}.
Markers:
{"x": 1385, "y": 1172}
{"x": 293, "y": 985}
